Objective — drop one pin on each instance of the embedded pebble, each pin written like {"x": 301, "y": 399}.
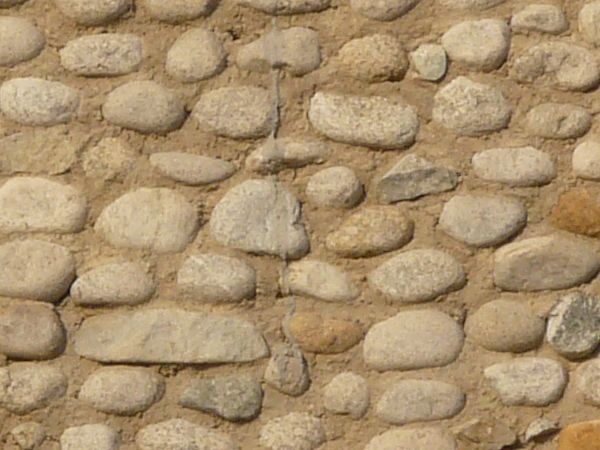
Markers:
{"x": 335, "y": 187}
{"x": 190, "y": 169}
{"x": 430, "y": 61}
{"x": 558, "y": 121}
{"x": 418, "y": 276}
{"x": 519, "y": 166}
{"x": 287, "y": 7}
{"x": 558, "y": 64}
{"x": 110, "y": 159}
{"x": 35, "y": 270}
{"x": 235, "y": 398}
{"x": 101, "y": 55}
{"x": 276, "y": 155}
{"x": 540, "y": 17}
{"x": 373, "y": 58}
{"x": 123, "y": 391}
{"x": 589, "y": 15}
{"x": 470, "y": 4}
{"x": 177, "y": 11}
{"x": 21, "y": 40}
{"x": 31, "y": 332}
{"x": 577, "y": 211}
{"x": 297, "y": 431}
{"x": 483, "y": 220}
{"x": 371, "y": 231}
{"x": 587, "y": 382}
{"x": 413, "y": 439}
{"x": 527, "y": 381}
{"x": 586, "y": 160}
{"x": 216, "y": 278}
{"x": 385, "y": 10}
{"x": 25, "y": 387}
{"x": 94, "y": 12}
{"x": 471, "y": 109}
{"x": 29, "y": 435}
{"x": 260, "y": 216}
{"x": 157, "y": 219}
{"x": 37, "y": 102}
{"x": 347, "y": 394}
{"x": 115, "y": 284}
{"x": 287, "y": 370}
{"x": 381, "y": 122}
{"x": 319, "y": 280}
{"x": 295, "y": 50}
{"x": 540, "y": 428}
{"x": 413, "y": 177}
{"x": 478, "y": 44}
{"x": 580, "y": 436}
{"x": 196, "y": 55}
{"x": 144, "y": 106}
{"x": 490, "y": 434}
{"x": 413, "y": 340}
{"x": 317, "y": 334}
{"x": 409, "y": 401}
{"x": 236, "y": 112}
{"x": 506, "y": 326}
{"x": 181, "y": 434}
{"x": 9, "y": 3}
{"x": 543, "y": 263}
{"x": 97, "y": 436}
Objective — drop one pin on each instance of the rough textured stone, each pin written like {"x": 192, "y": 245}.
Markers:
{"x": 471, "y": 109}
{"x": 287, "y": 7}
{"x": 181, "y": 434}
{"x": 519, "y": 166}
{"x": 587, "y": 382}
{"x": 430, "y": 61}
{"x": 157, "y": 219}
{"x": 580, "y": 436}
{"x": 287, "y": 371}
{"x": 196, "y": 55}
{"x": 21, "y": 40}
{"x": 29, "y": 435}
{"x": 235, "y": 398}
{"x": 542, "y": 263}
{"x": 409, "y": 401}
{"x": 123, "y": 391}
{"x": 296, "y": 431}
{"x": 216, "y": 278}
{"x": 540, "y": 429}
{"x": 413, "y": 439}
{"x": 279, "y": 154}
{"x": 193, "y": 170}
{"x": 317, "y": 334}
{"x": 335, "y": 187}
{"x": 37, "y": 102}
{"x": 93, "y": 12}
{"x": 540, "y": 17}
{"x": 371, "y": 231}
{"x": 478, "y": 44}
{"x": 470, "y": 4}
{"x": 413, "y": 340}
{"x": 558, "y": 121}
{"x": 487, "y": 434}
{"x": 385, "y": 10}
{"x": 380, "y": 122}
{"x": 577, "y": 211}
{"x": 347, "y": 394}
{"x": 110, "y": 159}
{"x": 36, "y": 270}
{"x": 589, "y": 15}
{"x": 9, "y": 3}
{"x": 97, "y": 436}
{"x": 586, "y": 160}
{"x": 185, "y": 337}
{"x": 527, "y": 381}
{"x": 418, "y": 276}
{"x": 144, "y": 106}
{"x": 260, "y": 216}
{"x": 318, "y": 279}
{"x": 483, "y": 220}
{"x": 506, "y": 326}
{"x": 176, "y": 11}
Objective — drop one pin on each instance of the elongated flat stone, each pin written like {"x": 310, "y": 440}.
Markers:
{"x": 287, "y": 7}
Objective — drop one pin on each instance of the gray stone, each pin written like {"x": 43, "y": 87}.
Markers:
{"x": 586, "y": 160}
{"x": 587, "y": 382}
{"x": 235, "y": 398}
{"x": 418, "y": 276}
{"x": 335, "y": 187}
{"x": 543, "y": 263}
{"x": 196, "y": 55}
{"x": 558, "y": 121}
{"x": 177, "y": 11}
{"x": 471, "y": 109}
{"x": 589, "y": 15}
{"x": 110, "y": 159}
{"x": 295, "y": 431}
{"x": 470, "y": 4}
{"x": 94, "y": 12}
{"x": 430, "y": 61}
{"x": 260, "y": 216}
{"x": 347, "y": 394}
{"x": 276, "y": 155}
{"x": 413, "y": 340}
{"x": 540, "y": 428}
{"x": 29, "y": 435}
{"x": 409, "y": 401}
{"x": 216, "y": 278}
{"x": 287, "y": 371}
{"x": 97, "y": 436}
{"x": 483, "y": 220}
{"x": 385, "y": 10}
{"x": 413, "y": 439}
{"x": 156, "y": 219}
{"x": 287, "y": 7}
{"x": 185, "y": 337}
{"x": 21, "y": 40}
{"x": 193, "y": 170}
{"x": 527, "y": 381}
{"x": 413, "y": 177}
{"x": 380, "y": 122}
{"x": 540, "y": 17}
{"x": 180, "y": 434}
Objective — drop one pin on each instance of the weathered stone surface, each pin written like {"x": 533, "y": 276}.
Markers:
{"x": 287, "y": 7}
{"x": 483, "y": 220}
{"x": 157, "y": 219}
{"x": 176, "y": 11}
{"x": 413, "y": 439}
{"x": 418, "y": 276}
{"x": 94, "y": 12}
{"x": 470, "y": 4}
{"x": 413, "y": 340}
{"x": 347, "y": 394}
{"x": 97, "y": 436}
{"x": 185, "y": 337}
{"x": 279, "y": 154}
{"x": 190, "y": 169}
{"x": 580, "y": 436}
{"x": 589, "y": 15}
{"x": 527, "y": 381}
{"x": 29, "y": 435}
{"x": 317, "y": 334}
{"x": 558, "y": 121}
{"x": 35, "y": 270}
{"x": 587, "y": 381}
{"x": 287, "y": 370}
{"x": 260, "y": 216}
{"x": 413, "y": 177}
{"x": 196, "y": 55}
{"x": 471, "y": 109}
{"x": 110, "y": 159}
{"x": 488, "y": 434}
{"x": 335, "y": 187}
{"x": 409, "y": 401}
{"x": 9, "y": 3}
{"x": 540, "y": 17}
{"x": 541, "y": 263}
{"x": 577, "y": 211}
{"x": 371, "y": 231}
{"x": 21, "y": 40}
{"x": 385, "y": 10}
{"x": 123, "y": 391}
{"x": 540, "y": 429}
{"x": 519, "y": 166}
{"x": 318, "y": 279}
{"x": 296, "y": 431}
{"x": 216, "y": 278}
{"x": 430, "y": 61}
{"x": 235, "y": 397}
{"x": 181, "y": 434}
{"x": 586, "y": 160}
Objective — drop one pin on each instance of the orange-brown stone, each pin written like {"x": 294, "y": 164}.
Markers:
{"x": 577, "y": 211}
{"x": 580, "y": 436}
{"x": 316, "y": 334}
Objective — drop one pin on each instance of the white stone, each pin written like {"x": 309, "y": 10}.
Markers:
{"x": 176, "y": 11}
{"x": 190, "y": 169}
{"x": 347, "y": 394}
{"x": 587, "y": 382}
{"x": 20, "y": 40}
{"x": 178, "y": 434}
{"x": 541, "y": 17}
{"x": 589, "y": 15}
{"x": 413, "y": 439}
{"x": 430, "y": 61}
{"x": 279, "y": 154}
{"x": 586, "y": 160}
{"x": 287, "y": 7}
{"x": 558, "y": 121}
{"x": 335, "y": 187}
{"x": 110, "y": 159}
{"x": 97, "y": 436}
{"x": 196, "y": 55}
{"x": 94, "y": 12}
{"x": 297, "y": 431}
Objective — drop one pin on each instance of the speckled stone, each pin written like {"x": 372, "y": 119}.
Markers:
{"x": 182, "y": 434}
{"x": 190, "y": 169}
{"x": 21, "y": 40}
{"x": 558, "y": 121}
{"x": 177, "y": 11}
{"x": 347, "y": 394}
{"x": 319, "y": 280}
{"x": 287, "y": 7}
{"x": 413, "y": 439}
{"x": 94, "y": 12}
{"x": 196, "y": 55}
{"x": 544, "y": 18}
{"x": 298, "y": 431}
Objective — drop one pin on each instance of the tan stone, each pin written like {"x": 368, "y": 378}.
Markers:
{"x": 580, "y": 436}
{"x": 324, "y": 335}
{"x": 577, "y": 211}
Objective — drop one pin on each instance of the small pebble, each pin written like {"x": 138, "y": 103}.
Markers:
{"x": 589, "y": 15}
{"x": 94, "y": 12}
{"x": 385, "y": 10}
{"x": 276, "y": 155}
{"x": 540, "y": 428}
{"x": 558, "y": 121}
{"x": 180, "y": 434}
{"x": 287, "y": 370}
{"x": 297, "y": 431}
{"x": 347, "y": 394}
{"x": 580, "y": 436}
{"x": 319, "y": 280}
{"x": 335, "y": 187}
{"x": 577, "y": 211}
{"x": 586, "y": 160}
{"x": 288, "y": 7}
{"x": 177, "y": 11}
{"x": 196, "y": 55}
{"x": 29, "y": 435}
{"x": 111, "y": 159}
{"x": 430, "y": 61}
{"x": 21, "y": 40}
{"x": 317, "y": 334}
{"x": 587, "y": 380}
{"x": 413, "y": 439}
{"x": 190, "y": 169}
{"x": 540, "y": 17}
{"x": 97, "y": 436}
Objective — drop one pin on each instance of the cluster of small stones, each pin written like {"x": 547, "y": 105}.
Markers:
{"x": 101, "y": 337}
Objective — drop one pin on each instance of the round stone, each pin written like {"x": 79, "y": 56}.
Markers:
{"x": 21, "y": 40}
{"x": 430, "y": 61}
{"x": 587, "y": 382}
{"x": 193, "y": 170}
{"x": 97, "y": 436}
{"x": 196, "y": 55}
{"x": 347, "y": 394}
{"x": 287, "y": 370}
{"x": 94, "y": 12}
{"x": 317, "y": 334}
{"x": 413, "y": 439}
{"x": 176, "y": 11}
{"x": 577, "y": 211}
{"x": 589, "y": 15}
{"x": 470, "y": 4}
{"x": 418, "y": 276}
{"x": 156, "y": 219}
{"x": 586, "y": 160}
{"x": 319, "y": 280}
{"x": 144, "y": 106}
{"x": 277, "y": 7}
{"x": 540, "y": 17}
{"x": 558, "y": 121}
{"x": 335, "y": 187}
{"x": 37, "y": 102}
{"x": 384, "y": 10}
{"x": 478, "y": 44}
{"x": 413, "y": 340}
{"x": 296, "y": 430}
{"x": 111, "y": 159}
{"x": 181, "y": 434}
{"x": 506, "y": 326}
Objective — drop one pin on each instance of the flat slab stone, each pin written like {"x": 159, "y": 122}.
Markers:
{"x": 180, "y": 10}
{"x": 287, "y": 7}
{"x": 318, "y": 279}
{"x": 278, "y": 154}
{"x": 413, "y": 439}
{"x": 182, "y": 434}
{"x": 168, "y": 336}
{"x": 193, "y": 170}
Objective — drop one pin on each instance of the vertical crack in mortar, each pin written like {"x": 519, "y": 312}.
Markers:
{"x": 274, "y": 59}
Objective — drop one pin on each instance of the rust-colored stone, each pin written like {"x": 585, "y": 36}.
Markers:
{"x": 577, "y": 211}
{"x": 323, "y": 335}
{"x": 580, "y": 436}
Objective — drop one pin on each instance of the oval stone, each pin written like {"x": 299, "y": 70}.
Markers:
{"x": 587, "y": 380}
{"x": 385, "y": 10}
{"x": 588, "y": 22}
{"x": 9, "y": 3}
{"x": 470, "y": 4}
{"x": 347, "y": 394}
{"x": 335, "y": 187}
{"x": 196, "y": 55}
{"x": 288, "y": 7}
{"x": 413, "y": 439}
{"x": 293, "y": 431}
{"x": 276, "y": 155}
{"x": 586, "y": 160}
{"x": 176, "y": 11}
{"x": 558, "y": 121}
{"x": 540, "y": 17}
{"x": 193, "y": 170}
{"x": 97, "y": 436}
{"x": 181, "y": 434}
{"x": 21, "y": 40}
{"x": 318, "y": 279}
{"x": 317, "y": 334}
{"x": 94, "y": 12}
